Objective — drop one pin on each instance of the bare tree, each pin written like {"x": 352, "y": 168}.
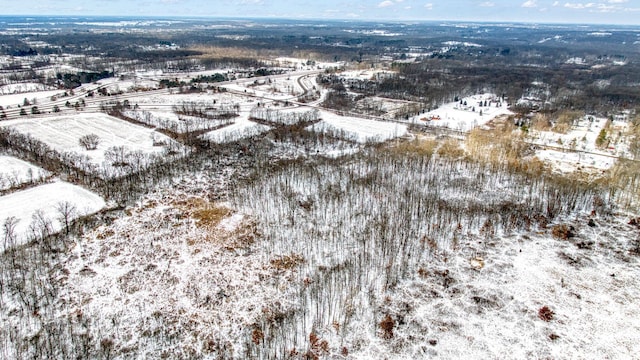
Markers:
{"x": 89, "y": 141}
{"x": 10, "y": 231}
{"x": 67, "y": 212}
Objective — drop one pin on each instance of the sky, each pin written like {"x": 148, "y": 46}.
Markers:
{"x": 623, "y": 12}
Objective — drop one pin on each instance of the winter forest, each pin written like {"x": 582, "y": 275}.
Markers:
{"x": 235, "y": 189}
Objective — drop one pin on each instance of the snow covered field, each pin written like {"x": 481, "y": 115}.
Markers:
{"x": 62, "y": 133}
{"x": 14, "y": 172}
{"x": 116, "y": 85}
{"x": 568, "y": 162}
{"x": 463, "y": 117}
{"x": 358, "y": 129}
{"x": 40, "y": 206}
{"x": 279, "y": 90}
{"x": 14, "y": 100}
{"x": 240, "y": 129}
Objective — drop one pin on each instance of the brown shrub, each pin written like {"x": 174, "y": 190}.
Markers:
{"x": 210, "y": 215}
{"x": 544, "y": 313}
{"x": 541, "y": 122}
{"x": 286, "y": 262}
{"x": 562, "y": 128}
{"x": 563, "y": 231}
{"x": 417, "y": 146}
{"x": 318, "y": 347}
{"x": 387, "y": 324}
{"x": 564, "y": 120}
{"x": 257, "y": 336}
{"x": 451, "y": 148}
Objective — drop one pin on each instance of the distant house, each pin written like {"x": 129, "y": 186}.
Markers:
{"x": 621, "y": 117}
{"x": 431, "y": 118}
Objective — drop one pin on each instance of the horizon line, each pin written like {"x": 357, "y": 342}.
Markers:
{"x": 361, "y": 20}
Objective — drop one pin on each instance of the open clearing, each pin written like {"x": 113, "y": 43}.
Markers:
{"x": 358, "y": 129}
{"x": 25, "y": 205}
{"x": 241, "y": 129}
{"x": 63, "y": 132}
{"x": 13, "y": 100}
{"x": 14, "y": 172}
{"x": 461, "y": 117}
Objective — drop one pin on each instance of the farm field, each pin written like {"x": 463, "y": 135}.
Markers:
{"x": 357, "y": 129}
{"x": 11, "y": 100}
{"x": 39, "y": 209}
{"x": 241, "y": 128}
{"x": 62, "y": 133}
{"x": 15, "y": 172}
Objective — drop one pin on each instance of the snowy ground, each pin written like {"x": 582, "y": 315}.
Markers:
{"x": 116, "y": 85}
{"x": 462, "y": 117}
{"x": 24, "y": 206}
{"x": 13, "y": 100}
{"x": 358, "y": 129}
{"x": 63, "y": 132}
{"x": 240, "y": 129}
{"x": 278, "y": 90}
{"x": 487, "y": 305}
{"x": 158, "y": 269}
{"x": 568, "y": 162}
{"x": 166, "y": 102}
{"x": 14, "y": 172}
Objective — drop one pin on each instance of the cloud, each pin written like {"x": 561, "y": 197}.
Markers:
{"x": 557, "y": 3}
{"x": 428, "y": 6}
{"x": 530, "y": 4}
{"x": 488, "y": 4}
{"x": 385, "y": 4}
{"x": 595, "y": 7}
{"x": 574, "y": 6}
{"x": 617, "y": 1}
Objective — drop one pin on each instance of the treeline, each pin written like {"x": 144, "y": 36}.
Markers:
{"x": 283, "y": 117}
{"x": 433, "y": 82}
{"x": 71, "y": 81}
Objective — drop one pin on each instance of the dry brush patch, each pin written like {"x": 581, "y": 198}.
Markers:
{"x": 451, "y": 148}
{"x": 500, "y": 147}
{"x": 235, "y": 234}
{"x": 205, "y": 213}
{"x": 418, "y": 146}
